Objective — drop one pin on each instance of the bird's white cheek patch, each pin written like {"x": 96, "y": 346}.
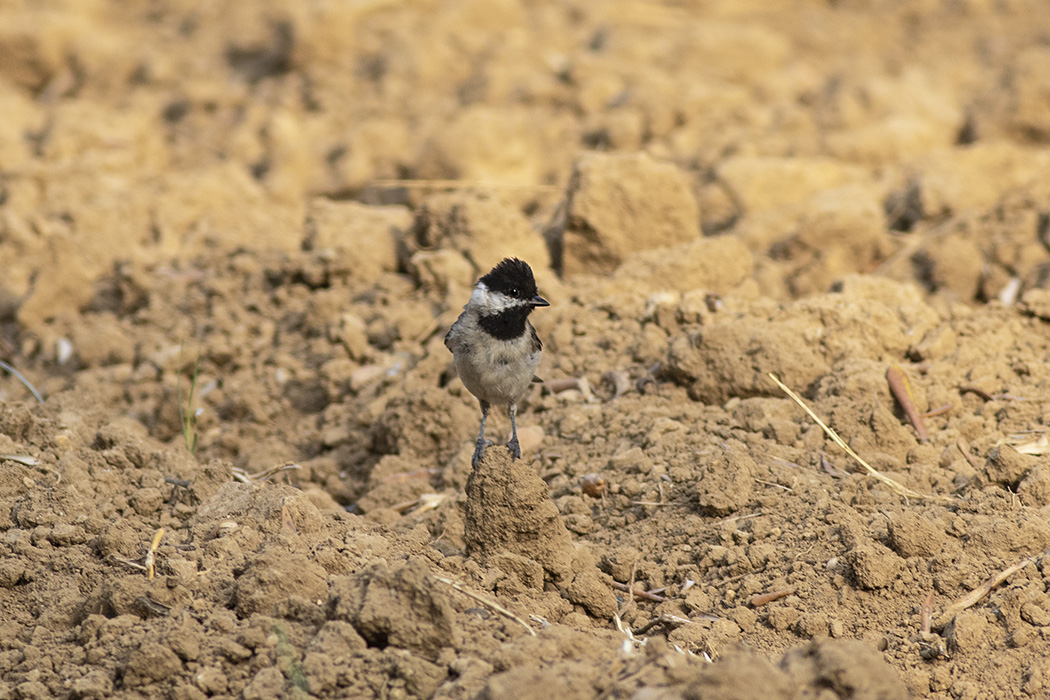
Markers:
{"x": 488, "y": 302}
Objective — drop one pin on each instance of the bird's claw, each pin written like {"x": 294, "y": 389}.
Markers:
{"x": 515, "y": 448}
{"x": 479, "y": 452}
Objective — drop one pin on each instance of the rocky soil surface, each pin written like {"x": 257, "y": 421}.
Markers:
{"x": 233, "y": 236}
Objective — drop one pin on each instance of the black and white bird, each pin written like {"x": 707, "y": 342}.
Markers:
{"x": 495, "y": 348}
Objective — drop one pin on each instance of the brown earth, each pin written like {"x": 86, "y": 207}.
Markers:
{"x": 240, "y": 212}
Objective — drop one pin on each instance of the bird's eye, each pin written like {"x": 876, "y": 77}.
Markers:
{"x": 514, "y": 292}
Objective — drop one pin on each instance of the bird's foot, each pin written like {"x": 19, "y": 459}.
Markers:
{"x": 514, "y": 447}
{"x": 479, "y": 452}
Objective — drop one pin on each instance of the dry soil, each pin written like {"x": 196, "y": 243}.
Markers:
{"x": 233, "y": 235}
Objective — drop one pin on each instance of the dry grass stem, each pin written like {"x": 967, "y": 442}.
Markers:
{"x": 631, "y": 603}
{"x": 247, "y": 478}
{"x": 223, "y": 527}
{"x": 972, "y": 598}
{"x": 151, "y": 555}
{"x": 926, "y": 614}
{"x": 1038, "y": 447}
{"x": 25, "y": 382}
{"x": 734, "y": 518}
{"x": 892, "y": 483}
{"x": 425, "y": 502}
{"x": 491, "y": 604}
{"x": 919, "y": 240}
{"x": 900, "y": 387}
{"x": 27, "y": 460}
{"x": 775, "y": 485}
{"x": 646, "y": 595}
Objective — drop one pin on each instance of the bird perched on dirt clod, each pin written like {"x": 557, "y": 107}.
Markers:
{"x": 495, "y": 348}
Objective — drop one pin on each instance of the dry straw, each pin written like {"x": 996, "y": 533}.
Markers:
{"x": 892, "y": 483}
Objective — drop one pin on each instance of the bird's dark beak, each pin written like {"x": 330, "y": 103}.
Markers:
{"x": 539, "y": 301}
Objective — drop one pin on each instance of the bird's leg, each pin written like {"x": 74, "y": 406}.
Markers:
{"x": 513, "y": 446}
{"x": 479, "y": 450}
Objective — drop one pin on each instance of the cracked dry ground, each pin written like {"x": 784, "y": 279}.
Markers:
{"x": 282, "y": 207}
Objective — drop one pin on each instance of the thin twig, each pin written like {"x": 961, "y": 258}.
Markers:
{"x": 976, "y": 390}
{"x": 965, "y": 449}
{"x": 732, "y": 579}
{"x": 669, "y": 620}
{"x": 462, "y": 184}
{"x": 892, "y": 483}
{"x": 933, "y": 412}
{"x": 760, "y": 599}
{"x": 486, "y": 602}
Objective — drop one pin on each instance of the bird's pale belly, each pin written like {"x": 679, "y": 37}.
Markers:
{"x": 495, "y": 376}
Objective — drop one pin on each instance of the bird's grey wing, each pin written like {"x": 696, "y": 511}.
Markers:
{"x": 453, "y": 333}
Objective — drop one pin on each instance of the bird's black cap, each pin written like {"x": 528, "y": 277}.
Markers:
{"x": 514, "y": 278}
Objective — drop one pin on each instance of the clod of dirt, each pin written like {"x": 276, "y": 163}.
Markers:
{"x": 274, "y": 579}
{"x": 867, "y": 319}
{"x": 1035, "y": 489}
{"x": 1007, "y": 466}
{"x": 509, "y": 510}
{"x": 874, "y": 566}
{"x": 619, "y": 204}
{"x": 270, "y": 508}
{"x": 728, "y": 360}
{"x": 912, "y": 535}
{"x": 762, "y": 182}
{"x": 487, "y": 145}
{"x": 849, "y": 669}
{"x": 563, "y": 680}
{"x": 477, "y": 231}
{"x": 398, "y": 606}
{"x": 1036, "y": 302}
{"x": 736, "y": 675}
{"x": 727, "y": 483}
{"x": 370, "y": 234}
{"x": 150, "y": 663}
{"x": 715, "y": 265}
{"x": 427, "y": 422}
{"x": 968, "y": 631}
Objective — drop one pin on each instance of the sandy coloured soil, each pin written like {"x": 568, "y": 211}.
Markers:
{"x": 282, "y": 206}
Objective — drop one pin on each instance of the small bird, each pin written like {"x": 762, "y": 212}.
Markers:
{"x": 495, "y": 348}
